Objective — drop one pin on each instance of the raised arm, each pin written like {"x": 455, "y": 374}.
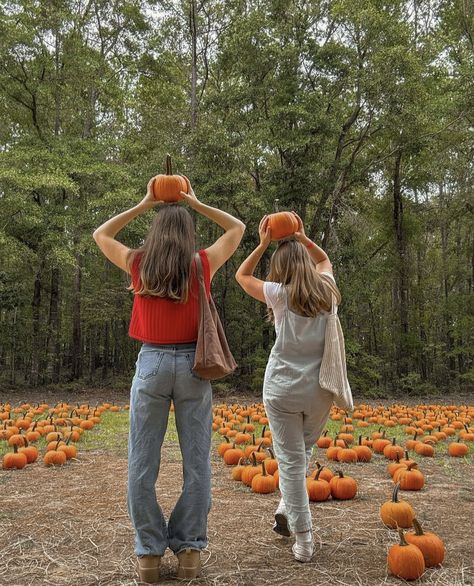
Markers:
{"x": 250, "y": 284}
{"x": 319, "y": 257}
{"x": 105, "y": 234}
{"x": 225, "y": 246}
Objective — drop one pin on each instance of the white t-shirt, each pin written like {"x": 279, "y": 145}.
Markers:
{"x": 275, "y": 296}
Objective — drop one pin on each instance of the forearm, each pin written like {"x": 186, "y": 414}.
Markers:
{"x": 113, "y": 226}
{"x": 223, "y": 219}
{"x": 315, "y": 252}
{"x": 249, "y": 265}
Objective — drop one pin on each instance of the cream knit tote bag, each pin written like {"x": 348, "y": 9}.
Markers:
{"x": 333, "y": 372}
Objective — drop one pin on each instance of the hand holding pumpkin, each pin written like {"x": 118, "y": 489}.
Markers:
{"x": 190, "y": 197}
{"x": 264, "y": 232}
{"x": 149, "y": 200}
{"x": 300, "y": 233}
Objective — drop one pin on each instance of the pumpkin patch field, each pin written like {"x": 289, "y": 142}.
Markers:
{"x": 391, "y": 488}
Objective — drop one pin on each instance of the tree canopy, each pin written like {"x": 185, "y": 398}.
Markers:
{"x": 359, "y": 116}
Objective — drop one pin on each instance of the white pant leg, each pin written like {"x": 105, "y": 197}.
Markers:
{"x": 315, "y": 418}
{"x": 289, "y": 446}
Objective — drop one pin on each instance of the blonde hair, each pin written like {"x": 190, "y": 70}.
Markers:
{"x": 308, "y": 291}
{"x": 166, "y": 255}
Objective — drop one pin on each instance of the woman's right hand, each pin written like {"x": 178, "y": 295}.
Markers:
{"x": 264, "y": 232}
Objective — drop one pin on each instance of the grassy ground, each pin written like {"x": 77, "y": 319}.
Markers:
{"x": 69, "y": 526}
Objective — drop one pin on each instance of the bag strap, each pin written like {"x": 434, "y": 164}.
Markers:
{"x": 200, "y": 273}
{"x": 333, "y": 297}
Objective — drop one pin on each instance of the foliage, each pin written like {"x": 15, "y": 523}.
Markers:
{"x": 356, "y": 115}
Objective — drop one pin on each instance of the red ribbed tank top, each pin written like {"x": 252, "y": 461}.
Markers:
{"x": 159, "y": 320}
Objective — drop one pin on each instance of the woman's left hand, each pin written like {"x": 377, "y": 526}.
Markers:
{"x": 264, "y": 232}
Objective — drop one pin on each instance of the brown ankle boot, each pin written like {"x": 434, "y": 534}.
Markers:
{"x": 149, "y": 568}
{"x": 189, "y": 563}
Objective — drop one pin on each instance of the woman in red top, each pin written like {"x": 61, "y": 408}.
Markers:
{"x": 165, "y": 319}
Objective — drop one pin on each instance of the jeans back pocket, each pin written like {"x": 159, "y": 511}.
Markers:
{"x": 148, "y": 363}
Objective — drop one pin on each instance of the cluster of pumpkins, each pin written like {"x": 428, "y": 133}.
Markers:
{"x": 425, "y": 426}
{"x": 417, "y": 549}
{"x": 60, "y": 427}
{"x": 253, "y": 461}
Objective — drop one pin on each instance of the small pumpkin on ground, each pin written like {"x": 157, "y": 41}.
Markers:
{"x": 343, "y": 487}
{"x": 263, "y": 483}
{"x": 232, "y": 456}
{"x": 14, "y": 459}
{"x": 397, "y": 513}
{"x": 410, "y": 478}
{"x": 458, "y": 449}
{"x": 405, "y": 560}
{"x": 318, "y": 488}
{"x": 430, "y": 545}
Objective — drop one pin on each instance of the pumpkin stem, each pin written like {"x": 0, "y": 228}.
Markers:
{"x": 418, "y": 528}
{"x": 254, "y": 459}
{"x": 272, "y": 454}
{"x": 318, "y": 472}
{"x": 341, "y": 475}
{"x": 168, "y": 165}
{"x": 403, "y": 541}
{"x": 264, "y": 473}
{"x": 395, "y": 493}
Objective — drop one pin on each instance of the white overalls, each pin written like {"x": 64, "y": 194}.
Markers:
{"x": 296, "y": 406}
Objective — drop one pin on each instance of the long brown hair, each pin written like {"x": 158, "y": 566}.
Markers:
{"x": 308, "y": 292}
{"x": 167, "y": 255}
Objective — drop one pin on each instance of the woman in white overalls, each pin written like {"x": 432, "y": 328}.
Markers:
{"x": 298, "y": 293}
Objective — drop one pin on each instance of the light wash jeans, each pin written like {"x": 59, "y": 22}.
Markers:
{"x": 163, "y": 373}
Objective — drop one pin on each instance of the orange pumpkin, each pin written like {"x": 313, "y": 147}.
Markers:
{"x": 168, "y": 187}
{"x": 430, "y": 545}
{"x": 263, "y": 483}
{"x": 396, "y": 513}
{"x": 405, "y": 560}
{"x": 282, "y": 224}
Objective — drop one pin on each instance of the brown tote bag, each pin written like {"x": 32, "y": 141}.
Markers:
{"x": 213, "y": 358}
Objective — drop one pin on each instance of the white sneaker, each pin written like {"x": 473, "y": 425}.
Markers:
{"x": 303, "y": 551}
{"x": 281, "y": 520}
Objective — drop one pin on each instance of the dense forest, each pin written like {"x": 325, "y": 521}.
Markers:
{"x": 358, "y": 115}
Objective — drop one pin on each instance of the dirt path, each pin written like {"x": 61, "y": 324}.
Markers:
{"x": 69, "y": 526}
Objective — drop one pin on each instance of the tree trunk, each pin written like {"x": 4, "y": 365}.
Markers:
{"x": 106, "y": 350}
{"x": 54, "y": 325}
{"x": 76, "y": 321}
{"x": 401, "y": 284}
{"x": 36, "y": 344}
{"x": 193, "y": 31}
